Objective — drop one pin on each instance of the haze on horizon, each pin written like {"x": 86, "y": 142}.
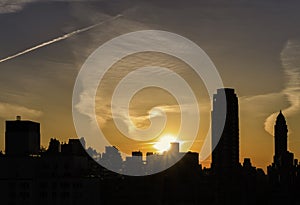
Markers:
{"x": 254, "y": 45}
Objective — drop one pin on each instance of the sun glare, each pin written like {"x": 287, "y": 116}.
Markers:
{"x": 164, "y": 143}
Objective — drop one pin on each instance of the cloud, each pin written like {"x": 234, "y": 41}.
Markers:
{"x": 8, "y": 111}
{"x": 290, "y": 59}
{"x": 290, "y": 94}
{"x": 11, "y": 6}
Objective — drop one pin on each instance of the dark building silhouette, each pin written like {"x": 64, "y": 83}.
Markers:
{"x": 282, "y": 157}
{"x": 282, "y": 171}
{"x": 225, "y": 148}
{"x": 112, "y": 158}
{"x": 54, "y": 146}
{"x": 22, "y": 138}
{"x": 74, "y": 147}
{"x": 65, "y": 174}
{"x": 138, "y": 154}
{"x": 225, "y": 156}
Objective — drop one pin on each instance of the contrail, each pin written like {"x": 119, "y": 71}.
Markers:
{"x": 291, "y": 64}
{"x": 57, "y": 39}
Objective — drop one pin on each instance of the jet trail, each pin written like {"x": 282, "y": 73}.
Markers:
{"x": 57, "y": 39}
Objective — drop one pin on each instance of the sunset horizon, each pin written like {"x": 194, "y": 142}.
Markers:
{"x": 197, "y": 98}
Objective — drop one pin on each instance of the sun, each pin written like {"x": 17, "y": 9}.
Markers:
{"x": 164, "y": 143}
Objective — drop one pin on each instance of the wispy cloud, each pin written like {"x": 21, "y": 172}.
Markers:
{"x": 290, "y": 59}
{"x": 9, "y": 111}
{"x": 10, "y": 6}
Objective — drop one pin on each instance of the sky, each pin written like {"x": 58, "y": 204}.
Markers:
{"x": 255, "y": 46}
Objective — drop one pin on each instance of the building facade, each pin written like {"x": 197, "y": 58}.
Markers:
{"x": 22, "y": 138}
{"x": 225, "y": 131}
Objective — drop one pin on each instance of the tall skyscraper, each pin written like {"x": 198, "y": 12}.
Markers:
{"x": 225, "y": 142}
{"x": 282, "y": 169}
{"x": 22, "y": 138}
{"x": 282, "y": 157}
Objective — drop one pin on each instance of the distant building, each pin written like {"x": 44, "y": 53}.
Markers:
{"x": 282, "y": 170}
{"x": 112, "y": 158}
{"x": 282, "y": 156}
{"x": 74, "y": 147}
{"x": 65, "y": 174}
{"x": 225, "y": 156}
{"x": 174, "y": 148}
{"x": 190, "y": 160}
{"x": 22, "y": 138}
{"x": 138, "y": 155}
{"x": 54, "y": 146}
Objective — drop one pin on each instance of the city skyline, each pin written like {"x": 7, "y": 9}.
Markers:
{"x": 71, "y": 173}
{"x": 169, "y": 138}
{"x": 254, "y": 45}
{"x": 225, "y": 155}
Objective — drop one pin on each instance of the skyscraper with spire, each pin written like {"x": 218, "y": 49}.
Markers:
{"x": 280, "y": 135}
{"x": 281, "y": 170}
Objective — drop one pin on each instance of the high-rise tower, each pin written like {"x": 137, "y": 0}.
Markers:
{"x": 282, "y": 157}
{"x": 225, "y": 155}
{"x": 280, "y": 134}
{"x": 281, "y": 170}
{"x": 22, "y": 138}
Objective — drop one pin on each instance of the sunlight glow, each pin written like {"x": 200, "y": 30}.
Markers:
{"x": 164, "y": 143}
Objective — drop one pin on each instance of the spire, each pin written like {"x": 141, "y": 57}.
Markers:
{"x": 280, "y": 131}
{"x": 280, "y": 117}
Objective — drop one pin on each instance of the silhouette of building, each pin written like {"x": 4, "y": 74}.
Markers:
{"x": 112, "y": 158}
{"x": 281, "y": 171}
{"x": 134, "y": 163}
{"x": 22, "y": 138}
{"x": 53, "y": 177}
{"x": 174, "y": 148}
{"x": 54, "y": 147}
{"x": 225, "y": 155}
{"x": 74, "y": 147}
{"x": 282, "y": 157}
{"x": 137, "y": 154}
{"x": 65, "y": 174}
